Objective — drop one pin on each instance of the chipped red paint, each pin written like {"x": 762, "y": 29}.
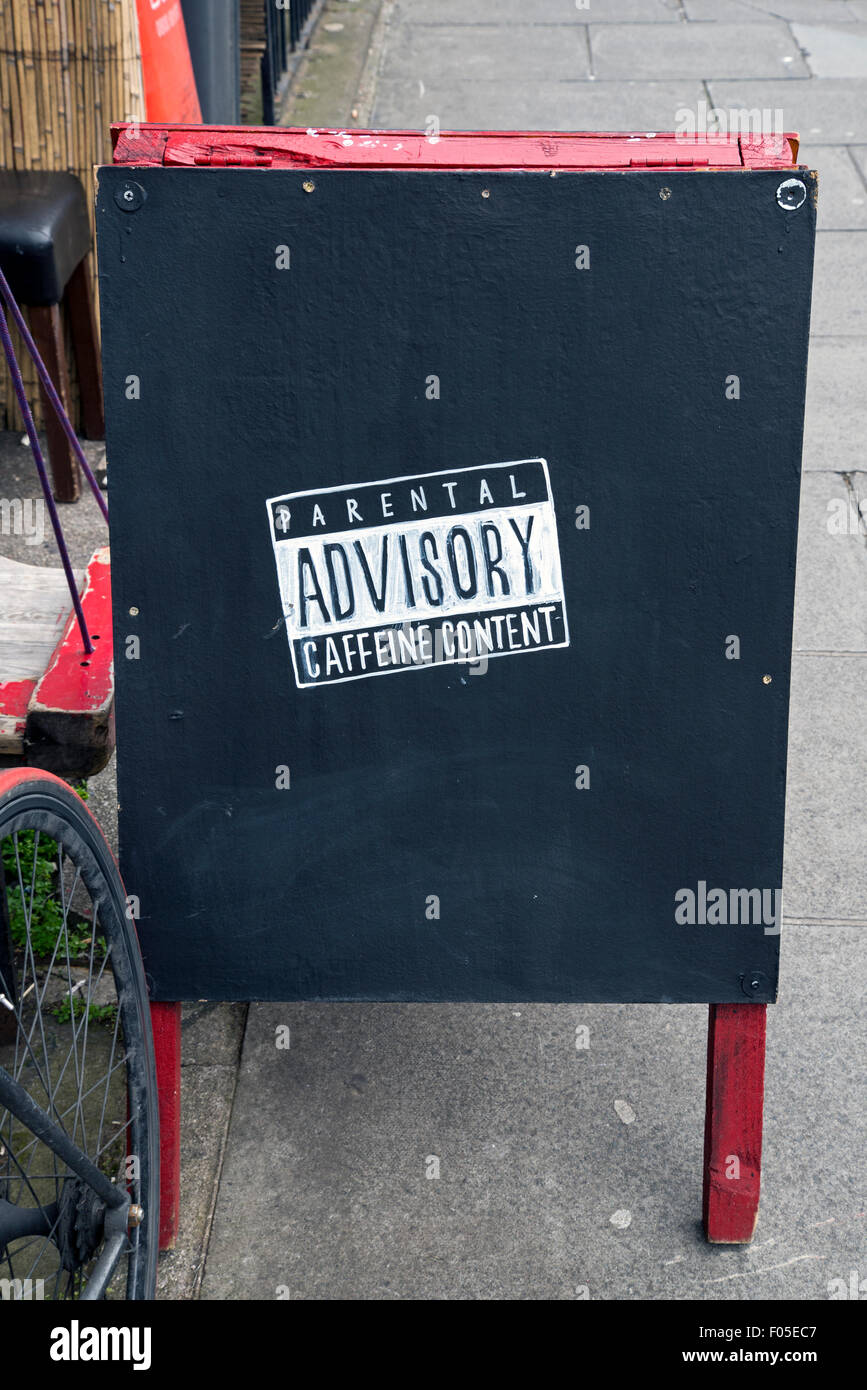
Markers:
{"x": 74, "y": 682}
{"x": 276, "y": 148}
{"x": 733, "y": 1121}
{"x": 14, "y": 698}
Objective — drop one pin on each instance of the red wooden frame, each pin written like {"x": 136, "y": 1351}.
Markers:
{"x": 273, "y": 147}
{"x": 736, "y": 1039}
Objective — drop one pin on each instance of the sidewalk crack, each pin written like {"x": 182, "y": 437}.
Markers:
{"x": 855, "y": 501}
{"x": 218, "y": 1175}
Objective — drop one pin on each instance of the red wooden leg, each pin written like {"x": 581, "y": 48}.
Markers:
{"x": 166, "y": 1023}
{"x": 733, "y": 1121}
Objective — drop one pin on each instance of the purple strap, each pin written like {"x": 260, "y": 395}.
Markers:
{"x": 48, "y": 385}
{"x": 15, "y": 373}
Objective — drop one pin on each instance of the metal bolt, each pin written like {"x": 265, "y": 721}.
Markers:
{"x": 135, "y": 1215}
{"x": 130, "y": 196}
{"x": 665, "y": 194}
{"x": 308, "y": 185}
{"x": 766, "y": 680}
{"x": 791, "y": 194}
{"x": 133, "y": 612}
{"x": 755, "y": 982}
{"x": 486, "y": 193}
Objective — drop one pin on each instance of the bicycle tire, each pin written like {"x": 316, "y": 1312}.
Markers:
{"x": 40, "y": 803}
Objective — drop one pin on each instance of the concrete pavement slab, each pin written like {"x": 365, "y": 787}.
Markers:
{"x": 758, "y": 11}
{"x": 842, "y": 191}
{"x": 839, "y": 285}
{"x": 828, "y": 112}
{"x": 825, "y": 874}
{"x": 695, "y": 50}
{"x": 535, "y": 105}
{"x": 833, "y": 50}
{"x": 836, "y": 416}
{"x": 212, "y": 1034}
{"x": 472, "y": 1152}
{"x": 831, "y": 591}
{"x": 539, "y": 12}
{"x": 859, "y": 155}
{"x": 206, "y": 1104}
{"x": 513, "y": 53}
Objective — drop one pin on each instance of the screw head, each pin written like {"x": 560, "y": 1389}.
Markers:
{"x": 791, "y": 194}
{"x": 754, "y": 982}
{"x": 766, "y": 680}
{"x": 665, "y": 194}
{"x": 133, "y": 612}
{"x": 135, "y": 1215}
{"x": 308, "y": 185}
{"x": 130, "y": 196}
{"x": 486, "y": 193}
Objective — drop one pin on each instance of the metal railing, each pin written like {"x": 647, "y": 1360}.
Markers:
{"x": 287, "y": 30}
{"x": 299, "y": 13}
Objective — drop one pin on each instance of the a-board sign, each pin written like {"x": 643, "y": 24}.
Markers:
{"x": 453, "y": 523}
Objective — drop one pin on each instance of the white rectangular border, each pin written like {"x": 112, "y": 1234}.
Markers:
{"x": 406, "y": 478}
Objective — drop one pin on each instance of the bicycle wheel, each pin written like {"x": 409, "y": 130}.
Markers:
{"x": 79, "y": 1142}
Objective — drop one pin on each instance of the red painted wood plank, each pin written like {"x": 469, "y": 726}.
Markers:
{"x": 733, "y": 1121}
{"x": 70, "y": 714}
{"x": 166, "y": 1024}
{"x": 275, "y": 147}
{"x": 76, "y": 689}
{"x": 75, "y": 682}
{"x": 14, "y": 699}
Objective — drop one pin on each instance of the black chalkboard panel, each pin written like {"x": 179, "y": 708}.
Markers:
{"x": 454, "y": 515}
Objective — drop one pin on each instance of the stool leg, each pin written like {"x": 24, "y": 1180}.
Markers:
{"x": 47, "y": 329}
{"x": 733, "y": 1121}
{"x": 79, "y": 303}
